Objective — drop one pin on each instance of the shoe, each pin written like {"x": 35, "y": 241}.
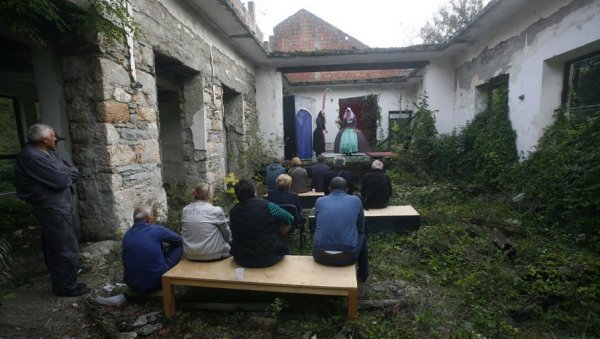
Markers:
{"x": 79, "y": 290}
{"x": 83, "y": 270}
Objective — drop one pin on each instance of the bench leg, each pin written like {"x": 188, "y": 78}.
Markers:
{"x": 168, "y": 297}
{"x": 352, "y": 303}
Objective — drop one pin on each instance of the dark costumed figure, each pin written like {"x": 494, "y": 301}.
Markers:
{"x": 319, "y": 134}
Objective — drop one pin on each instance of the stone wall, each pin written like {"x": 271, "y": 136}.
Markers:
{"x": 114, "y": 135}
{"x": 114, "y": 117}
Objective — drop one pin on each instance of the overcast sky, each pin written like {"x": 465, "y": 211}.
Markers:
{"x": 377, "y": 23}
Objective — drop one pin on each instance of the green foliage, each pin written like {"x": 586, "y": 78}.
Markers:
{"x": 371, "y": 117}
{"x": 178, "y": 196}
{"x": 423, "y": 133}
{"x": 5, "y": 262}
{"x": 483, "y": 154}
{"x": 15, "y": 214}
{"x": 32, "y": 17}
{"x": 9, "y": 138}
{"x": 450, "y": 20}
{"x": 561, "y": 176}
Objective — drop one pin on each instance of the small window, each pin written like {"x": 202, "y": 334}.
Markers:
{"x": 581, "y": 93}
{"x": 495, "y": 93}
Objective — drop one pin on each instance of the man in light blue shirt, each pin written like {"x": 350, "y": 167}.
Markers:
{"x": 339, "y": 238}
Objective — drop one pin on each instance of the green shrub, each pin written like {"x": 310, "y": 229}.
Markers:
{"x": 561, "y": 177}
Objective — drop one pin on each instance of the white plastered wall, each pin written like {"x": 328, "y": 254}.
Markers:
{"x": 269, "y": 104}
{"x": 535, "y": 70}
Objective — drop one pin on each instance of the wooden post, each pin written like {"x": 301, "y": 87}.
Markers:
{"x": 352, "y": 303}
{"x": 168, "y": 297}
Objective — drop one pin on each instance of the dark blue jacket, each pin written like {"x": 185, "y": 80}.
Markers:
{"x": 317, "y": 174}
{"x": 273, "y": 171}
{"x": 44, "y": 179}
{"x": 144, "y": 260}
{"x": 285, "y": 197}
{"x": 340, "y": 219}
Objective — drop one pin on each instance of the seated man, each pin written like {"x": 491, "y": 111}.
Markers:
{"x": 258, "y": 228}
{"x": 339, "y": 238}
{"x": 273, "y": 170}
{"x": 283, "y": 195}
{"x": 376, "y": 187}
{"x": 206, "y": 234}
{"x": 318, "y": 172}
{"x": 338, "y": 171}
{"x": 145, "y": 255}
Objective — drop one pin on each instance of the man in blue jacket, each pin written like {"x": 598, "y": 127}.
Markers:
{"x": 149, "y": 251}
{"x": 45, "y": 180}
{"x": 273, "y": 170}
{"x": 339, "y": 238}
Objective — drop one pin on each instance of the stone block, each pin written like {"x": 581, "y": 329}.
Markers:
{"x": 113, "y": 75}
{"x": 152, "y": 130}
{"x": 148, "y": 88}
{"x": 133, "y": 134}
{"x": 148, "y": 152}
{"x": 112, "y": 135}
{"x": 113, "y": 112}
{"x": 146, "y": 113}
{"x": 120, "y": 95}
{"x": 120, "y": 155}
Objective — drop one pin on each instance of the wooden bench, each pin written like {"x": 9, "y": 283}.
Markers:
{"x": 293, "y": 274}
{"x": 308, "y": 199}
{"x": 399, "y": 219}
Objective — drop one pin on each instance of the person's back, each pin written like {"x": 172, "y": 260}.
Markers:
{"x": 273, "y": 170}
{"x": 144, "y": 258}
{"x": 206, "y": 234}
{"x": 318, "y": 172}
{"x": 337, "y": 216}
{"x": 338, "y": 171}
{"x": 339, "y": 238}
{"x": 376, "y": 187}
{"x": 256, "y": 226}
{"x": 299, "y": 176}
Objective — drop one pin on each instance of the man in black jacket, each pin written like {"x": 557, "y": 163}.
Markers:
{"x": 338, "y": 171}
{"x": 258, "y": 228}
{"x": 45, "y": 180}
{"x": 376, "y": 187}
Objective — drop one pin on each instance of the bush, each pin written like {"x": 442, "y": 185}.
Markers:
{"x": 561, "y": 177}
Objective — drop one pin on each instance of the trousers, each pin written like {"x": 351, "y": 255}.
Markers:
{"x": 60, "y": 247}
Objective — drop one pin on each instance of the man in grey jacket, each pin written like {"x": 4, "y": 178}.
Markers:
{"x": 205, "y": 231}
{"x": 45, "y": 180}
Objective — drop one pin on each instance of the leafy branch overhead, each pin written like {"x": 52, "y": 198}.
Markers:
{"x": 450, "y": 20}
{"x": 32, "y": 18}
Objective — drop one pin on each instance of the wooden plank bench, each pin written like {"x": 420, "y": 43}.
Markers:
{"x": 308, "y": 199}
{"x": 399, "y": 219}
{"x": 293, "y": 274}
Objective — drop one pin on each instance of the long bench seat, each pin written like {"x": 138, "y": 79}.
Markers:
{"x": 293, "y": 274}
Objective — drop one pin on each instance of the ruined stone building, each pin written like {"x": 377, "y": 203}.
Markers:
{"x": 177, "y": 102}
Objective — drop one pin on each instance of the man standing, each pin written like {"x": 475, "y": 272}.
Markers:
{"x": 339, "y": 238}
{"x": 338, "y": 171}
{"x": 317, "y": 173}
{"x": 45, "y": 180}
{"x": 376, "y": 187}
{"x": 149, "y": 251}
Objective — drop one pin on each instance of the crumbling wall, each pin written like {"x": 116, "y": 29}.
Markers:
{"x": 114, "y": 116}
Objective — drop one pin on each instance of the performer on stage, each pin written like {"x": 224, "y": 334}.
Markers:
{"x": 319, "y": 134}
{"x": 350, "y": 139}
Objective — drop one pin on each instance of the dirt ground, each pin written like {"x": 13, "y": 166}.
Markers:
{"x": 30, "y": 309}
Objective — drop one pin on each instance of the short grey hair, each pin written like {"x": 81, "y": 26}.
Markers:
{"x": 338, "y": 183}
{"x": 377, "y": 165}
{"x": 203, "y": 191}
{"x": 37, "y": 132}
{"x": 142, "y": 213}
{"x": 339, "y": 161}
